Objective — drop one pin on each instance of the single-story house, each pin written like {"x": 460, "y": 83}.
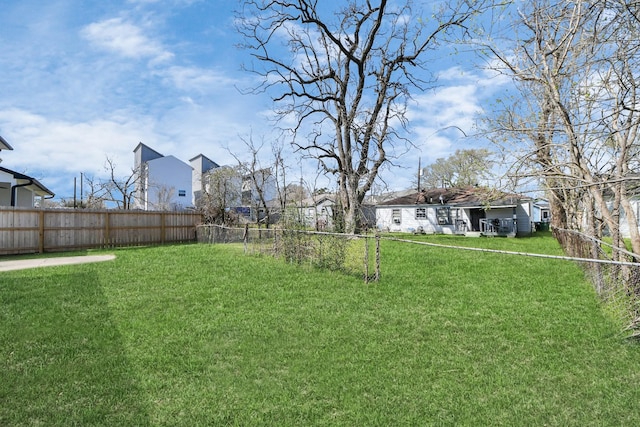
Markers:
{"x": 468, "y": 211}
{"x": 17, "y": 189}
{"x": 316, "y": 212}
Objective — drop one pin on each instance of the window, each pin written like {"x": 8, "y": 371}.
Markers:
{"x": 421, "y": 213}
{"x": 396, "y": 216}
{"x": 444, "y": 216}
{"x": 182, "y": 193}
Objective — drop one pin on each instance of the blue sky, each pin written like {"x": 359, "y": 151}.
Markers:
{"x": 85, "y": 80}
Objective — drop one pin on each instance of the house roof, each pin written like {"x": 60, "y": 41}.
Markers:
{"x": 147, "y": 153}
{"x": 319, "y": 200}
{"x": 206, "y": 161}
{"x": 4, "y": 145}
{"x": 31, "y": 183}
{"x": 462, "y": 197}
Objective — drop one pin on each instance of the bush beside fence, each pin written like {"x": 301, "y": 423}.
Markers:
{"x": 352, "y": 254}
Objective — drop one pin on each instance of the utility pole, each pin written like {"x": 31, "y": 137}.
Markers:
{"x": 81, "y": 194}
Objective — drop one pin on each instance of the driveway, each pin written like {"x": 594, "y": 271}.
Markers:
{"x": 46, "y": 262}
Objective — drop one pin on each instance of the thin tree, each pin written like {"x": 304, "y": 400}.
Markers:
{"x": 119, "y": 189}
{"x": 576, "y": 66}
{"x": 221, "y": 193}
{"x": 258, "y": 179}
{"x": 95, "y": 193}
{"x": 345, "y": 77}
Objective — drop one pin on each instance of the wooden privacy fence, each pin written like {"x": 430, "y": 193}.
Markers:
{"x": 24, "y": 230}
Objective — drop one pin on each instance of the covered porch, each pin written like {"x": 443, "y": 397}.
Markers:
{"x": 498, "y": 227}
{"x": 476, "y": 221}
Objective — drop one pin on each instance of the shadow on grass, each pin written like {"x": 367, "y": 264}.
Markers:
{"x": 62, "y": 358}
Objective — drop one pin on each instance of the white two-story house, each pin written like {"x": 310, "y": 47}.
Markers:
{"x": 162, "y": 182}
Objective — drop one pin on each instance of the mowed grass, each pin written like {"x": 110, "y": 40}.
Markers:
{"x": 203, "y": 335}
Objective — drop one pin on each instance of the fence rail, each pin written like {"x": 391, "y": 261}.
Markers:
{"x": 24, "y": 230}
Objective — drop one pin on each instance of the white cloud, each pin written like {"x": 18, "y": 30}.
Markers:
{"x": 55, "y": 147}
{"x": 198, "y": 79}
{"x": 126, "y": 39}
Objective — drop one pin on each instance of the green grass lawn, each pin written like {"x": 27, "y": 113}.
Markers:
{"x": 203, "y": 335}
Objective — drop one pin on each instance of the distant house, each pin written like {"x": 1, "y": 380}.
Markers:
{"x": 4, "y": 145}
{"x": 316, "y": 212}
{"x": 541, "y": 214}
{"x": 200, "y": 165}
{"x": 18, "y": 189}
{"x": 256, "y": 187}
{"x": 162, "y": 182}
{"x": 468, "y": 211}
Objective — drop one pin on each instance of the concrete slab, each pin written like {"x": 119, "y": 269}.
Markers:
{"x": 47, "y": 262}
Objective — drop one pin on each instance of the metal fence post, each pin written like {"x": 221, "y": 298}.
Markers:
{"x": 245, "y": 237}
{"x": 366, "y": 260}
{"x": 377, "y": 278}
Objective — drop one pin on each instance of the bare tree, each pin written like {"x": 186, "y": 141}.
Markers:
{"x": 258, "y": 180}
{"x": 164, "y": 196}
{"x": 221, "y": 192}
{"x": 577, "y": 66}
{"x": 119, "y": 190}
{"x": 280, "y": 176}
{"x": 95, "y": 193}
{"x": 346, "y": 77}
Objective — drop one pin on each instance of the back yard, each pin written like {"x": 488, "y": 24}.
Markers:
{"x": 203, "y": 335}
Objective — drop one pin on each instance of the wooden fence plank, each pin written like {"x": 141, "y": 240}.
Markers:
{"x": 24, "y": 230}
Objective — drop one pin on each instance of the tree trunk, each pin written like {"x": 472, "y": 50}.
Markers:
{"x": 632, "y": 221}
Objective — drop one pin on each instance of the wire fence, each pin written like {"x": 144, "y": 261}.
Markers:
{"x": 353, "y": 254}
{"x": 613, "y": 271}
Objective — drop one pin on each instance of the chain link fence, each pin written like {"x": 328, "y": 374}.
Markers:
{"x": 352, "y": 254}
{"x": 614, "y": 273}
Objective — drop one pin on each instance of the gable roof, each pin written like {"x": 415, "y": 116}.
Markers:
{"x": 461, "y": 197}
{"x": 316, "y": 200}
{"x": 31, "y": 183}
{"x": 4, "y": 145}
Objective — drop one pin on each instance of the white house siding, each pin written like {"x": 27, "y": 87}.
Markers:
{"x": 524, "y": 213}
{"x": 200, "y": 166}
{"x": 167, "y": 184}
{"x": 267, "y": 183}
{"x": 24, "y": 198}
{"x": 6, "y": 181}
{"x": 408, "y": 221}
{"x": 5, "y": 196}
{"x": 624, "y": 224}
